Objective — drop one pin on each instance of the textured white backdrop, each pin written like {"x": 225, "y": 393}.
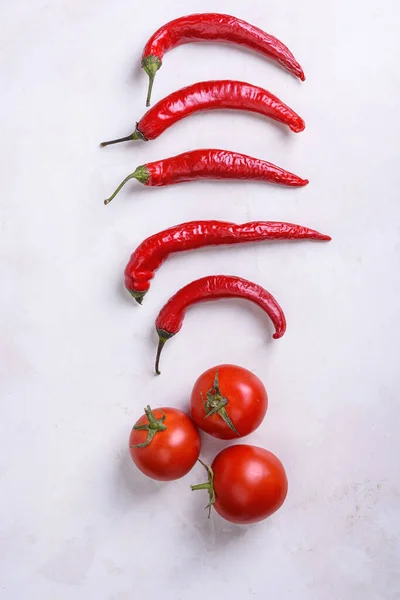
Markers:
{"x": 77, "y": 353}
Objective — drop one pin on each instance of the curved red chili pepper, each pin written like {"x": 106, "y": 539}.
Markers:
{"x": 151, "y": 253}
{"x": 214, "y": 287}
{"x": 209, "y": 164}
{"x": 217, "y": 28}
{"x": 208, "y": 95}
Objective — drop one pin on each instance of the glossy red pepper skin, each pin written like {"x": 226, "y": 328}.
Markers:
{"x": 214, "y": 287}
{"x": 210, "y": 95}
{"x": 217, "y": 164}
{"x": 210, "y": 164}
{"x": 214, "y": 27}
{"x": 152, "y": 252}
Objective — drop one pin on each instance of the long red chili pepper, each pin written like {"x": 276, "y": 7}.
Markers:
{"x": 214, "y": 287}
{"x": 209, "y": 164}
{"x": 151, "y": 253}
{"x": 217, "y": 28}
{"x": 208, "y": 95}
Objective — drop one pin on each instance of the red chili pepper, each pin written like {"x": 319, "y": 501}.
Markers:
{"x": 151, "y": 253}
{"x": 214, "y": 287}
{"x": 217, "y": 28}
{"x": 208, "y": 95}
{"x": 209, "y": 164}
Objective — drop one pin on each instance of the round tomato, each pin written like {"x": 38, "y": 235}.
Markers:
{"x": 164, "y": 444}
{"x": 246, "y": 484}
{"x": 228, "y": 402}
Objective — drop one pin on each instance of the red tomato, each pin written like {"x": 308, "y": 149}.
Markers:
{"x": 246, "y": 484}
{"x": 169, "y": 443}
{"x": 228, "y": 402}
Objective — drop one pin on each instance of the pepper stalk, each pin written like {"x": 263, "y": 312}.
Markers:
{"x": 151, "y": 64}
{"x": 141, "y": 173}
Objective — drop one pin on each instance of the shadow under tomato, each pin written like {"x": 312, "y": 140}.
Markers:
{"x": 130, "y": 484}
{"x": 215, "y": 532}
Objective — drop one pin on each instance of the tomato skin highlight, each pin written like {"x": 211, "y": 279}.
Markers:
{"x": 172, "y": 453}
{"x": 250, "y": 484}
{"x": 247, "y": 401}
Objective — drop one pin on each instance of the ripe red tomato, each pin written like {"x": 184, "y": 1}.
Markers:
{"x": 164, "y": 444}
{"x": 246, "y": 484}
{"x": 228, "y": 402}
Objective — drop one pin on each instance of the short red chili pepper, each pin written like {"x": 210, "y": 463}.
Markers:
{"x": 151, "y": 253}
{"x": 209, "y": 164}
{"x": 216, "y": 28}
{"x": 214, "y": 287}
{"x": 208, "y": 95}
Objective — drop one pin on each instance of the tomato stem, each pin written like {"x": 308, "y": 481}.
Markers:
{"x": 209, "y": 486}
{"x": 152, "y": 427}
{"x": 200, "y": 486}
{"x": 216, "y": 403}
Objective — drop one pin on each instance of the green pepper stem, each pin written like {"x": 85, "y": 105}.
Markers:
{"x": 141, "y": 173}
{"x": 135, "y": 135}
{"x": 137, "y": 295}
{"x": 163, "y": 336}
{"x": 121, "y": 185}
{"x": 127, "y": 138}
{"x": 161, "y": 343}
{"x": 150, "y": 64}
{"x": 150, "y": 88}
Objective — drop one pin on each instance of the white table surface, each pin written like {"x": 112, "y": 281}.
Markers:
{"x": 77, "y": 520}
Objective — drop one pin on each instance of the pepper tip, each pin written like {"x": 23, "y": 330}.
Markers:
{"x": 298, "y": 126}
{"x": 280, "y": 331}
